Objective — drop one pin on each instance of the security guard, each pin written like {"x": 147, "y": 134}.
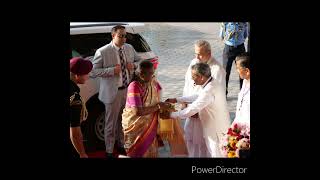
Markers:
{"x": 79, "y": 73}
{"x": 233, "y": 35}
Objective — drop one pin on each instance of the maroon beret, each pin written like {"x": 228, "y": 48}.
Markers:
{"x": 80, "y": 66}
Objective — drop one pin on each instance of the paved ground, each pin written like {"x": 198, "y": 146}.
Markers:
{"x": 174, "y": 44}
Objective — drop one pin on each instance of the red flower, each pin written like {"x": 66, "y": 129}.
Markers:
{"x": 235, "y": 133}
{"x": 239, "y": 137}
{"x": 235, "y": 126}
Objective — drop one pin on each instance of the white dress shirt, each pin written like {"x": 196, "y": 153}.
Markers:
{"x": 120, "y": 83}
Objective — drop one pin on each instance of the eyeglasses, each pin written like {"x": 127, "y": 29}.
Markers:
{"x": 122, "y": 35}
{"x": 241, "y": 68}
{"x": 194, "y": 76}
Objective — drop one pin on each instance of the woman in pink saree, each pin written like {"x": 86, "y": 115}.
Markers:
{"x": 141, "y": 116}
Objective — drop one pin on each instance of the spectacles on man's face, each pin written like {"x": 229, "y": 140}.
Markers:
{"x": 241, "y": 68}
{"x": 122, "y": 35}
{"x": 194, "y": 76}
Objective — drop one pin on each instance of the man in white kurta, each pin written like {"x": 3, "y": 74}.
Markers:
{"x": 211, "y": 105}
{"x": 193, "y": 129}
{"x": 243, "y": 104}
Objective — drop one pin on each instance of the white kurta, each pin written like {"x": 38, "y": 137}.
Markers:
{"x": 211, "y": 105}
{"x": 193, "y": 128}
{"x": 243, "y": 104}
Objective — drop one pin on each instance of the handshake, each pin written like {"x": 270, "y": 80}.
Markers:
{"x": 166, "y": 108}
{"x": 184, "y": 105}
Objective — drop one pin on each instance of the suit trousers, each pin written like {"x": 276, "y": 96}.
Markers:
{"x": 113, "y": 117}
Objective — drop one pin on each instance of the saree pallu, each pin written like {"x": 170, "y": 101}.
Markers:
{"x": 140, "y": 136}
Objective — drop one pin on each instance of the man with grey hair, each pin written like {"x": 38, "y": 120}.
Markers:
{"x": 211, "y": 105}
{"x": 193, "y": 129}
{"x": 202, "y": 49}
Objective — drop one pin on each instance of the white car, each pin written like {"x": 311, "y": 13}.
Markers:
{"x": 85, "y": 39}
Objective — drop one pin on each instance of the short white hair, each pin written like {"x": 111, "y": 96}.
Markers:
{"x": 203, "y": 44}
{"x": 202, "y": 69}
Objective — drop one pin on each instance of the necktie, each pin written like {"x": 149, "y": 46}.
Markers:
{"x": 123, "y": 68}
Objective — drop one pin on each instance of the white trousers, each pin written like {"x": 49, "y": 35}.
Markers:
{"x": 196, "y": 144}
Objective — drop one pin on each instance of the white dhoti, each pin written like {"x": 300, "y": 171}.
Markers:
{"x": 196, "y": 143}
{"x": 213, "y": 147}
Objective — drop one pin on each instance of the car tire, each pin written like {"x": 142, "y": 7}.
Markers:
{"x": 92, "y": 129}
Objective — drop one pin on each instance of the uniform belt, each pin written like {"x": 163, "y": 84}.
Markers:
{"x": 236, "y": 46}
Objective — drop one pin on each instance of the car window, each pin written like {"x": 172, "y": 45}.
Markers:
{"x": 87, "y": 44}
{"x": 75, "y": 53}
{"x": 138, "y": 42}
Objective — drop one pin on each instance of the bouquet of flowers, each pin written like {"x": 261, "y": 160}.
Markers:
{"x": 236, "y": 140}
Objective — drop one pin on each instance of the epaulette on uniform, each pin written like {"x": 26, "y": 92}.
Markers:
{"x": 75, "y": 101}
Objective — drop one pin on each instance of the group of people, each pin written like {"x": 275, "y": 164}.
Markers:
{"x": 137, "y": 122}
